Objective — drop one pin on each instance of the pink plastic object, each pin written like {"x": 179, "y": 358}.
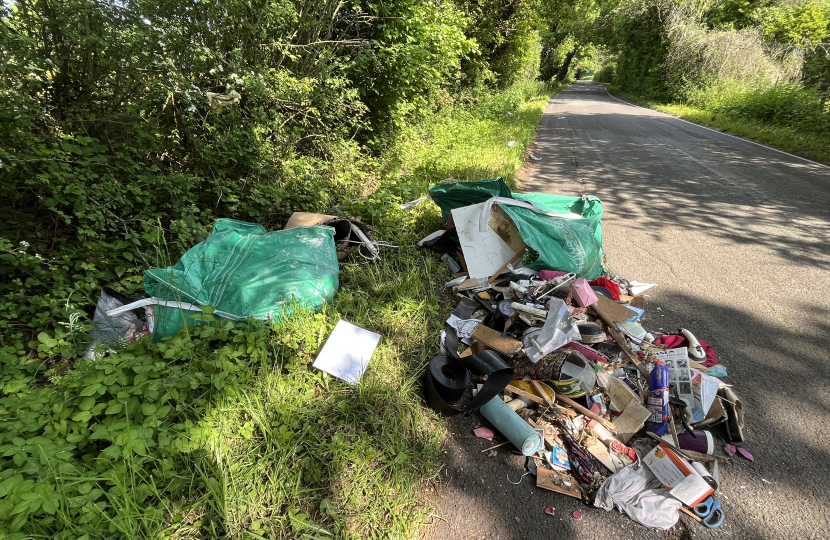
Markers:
{"x": 596, "y": 408}
{"x": 484, "y": 433}
{"x": 587, "y": 352}
{"x": 550, "y": 510}
{"x": 745, "y": 453}
{"x": 583, "y": 293}
{"x": 730, "y": 449}
{"x": 550, "y": 274}
{"x": 577, "y": 515}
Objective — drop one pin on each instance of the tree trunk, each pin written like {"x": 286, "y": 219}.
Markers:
{"x": 563, "y": 70}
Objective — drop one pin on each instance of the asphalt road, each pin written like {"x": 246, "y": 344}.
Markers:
{"x": 736, "y": 235}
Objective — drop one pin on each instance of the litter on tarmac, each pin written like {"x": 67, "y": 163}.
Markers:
{"x": 555, "y": 352}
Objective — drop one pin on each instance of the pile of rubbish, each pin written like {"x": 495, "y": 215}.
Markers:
{"x": 547, "y": 345}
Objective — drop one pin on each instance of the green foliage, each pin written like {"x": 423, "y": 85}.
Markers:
{"x": 505, "y": 32}
{"x": 111, "y": 432}
{"x": 802, "y": 24}
{"x": 607, "y": 74}
{"x": 641, "y": 45}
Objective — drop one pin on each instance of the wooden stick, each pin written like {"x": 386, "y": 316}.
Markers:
{"x": 528, "y": 395}
{"x": 493, "y": 447}
{"x": 690, "y": 514}
{"x": 518, "y": 256}
{"x": 619, "y": 337}
{"x": 576, "y": 406}
{"x": 673, "y": 429}
{"x": 542, "y": 391}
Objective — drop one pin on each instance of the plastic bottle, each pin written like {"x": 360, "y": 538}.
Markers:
{"x": 617, "y": 391}
{"x": 658, "y": 398}
{"x": 512, "y": 426}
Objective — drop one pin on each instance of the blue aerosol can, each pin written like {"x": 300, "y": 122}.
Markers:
{"x": 658, "y": 398}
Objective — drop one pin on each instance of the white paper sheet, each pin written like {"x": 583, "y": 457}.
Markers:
{"x": 347, "y": 352}
{"x": 484, "y": 251}
{"x": 705, "y": 390}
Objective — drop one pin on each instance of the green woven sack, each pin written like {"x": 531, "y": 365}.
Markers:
{"x": 244, "y": 271}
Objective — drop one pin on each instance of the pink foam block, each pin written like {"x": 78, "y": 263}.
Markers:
{"x": 583, "y": 293}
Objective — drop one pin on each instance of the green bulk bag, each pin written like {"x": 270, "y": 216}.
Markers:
{"x": 244, "y": 271}
{"x": 451, "y": 196}
{"x": 572, "y": 244}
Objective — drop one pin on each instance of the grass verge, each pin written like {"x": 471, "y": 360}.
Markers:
{"x": 810, "y": 145}
{"x": 226, "y": 431}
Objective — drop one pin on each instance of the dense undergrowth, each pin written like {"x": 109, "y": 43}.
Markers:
{"x": 225, "y": 430}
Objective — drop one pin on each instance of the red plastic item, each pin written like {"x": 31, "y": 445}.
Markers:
{"x": 673, "y": 341}
{"x": 577, "y": 515}
{"x": 612, "y": 287}
{"x": 550, "y": 510}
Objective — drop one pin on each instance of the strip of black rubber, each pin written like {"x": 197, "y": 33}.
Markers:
{"x": 488, "y": 363}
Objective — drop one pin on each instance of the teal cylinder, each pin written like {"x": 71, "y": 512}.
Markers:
{"x": 511, "y": 425}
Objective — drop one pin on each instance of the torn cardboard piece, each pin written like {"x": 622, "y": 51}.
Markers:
{"x": 616, "y": 312}
{"x": 495, "y": 340}
{"x": 631, "y": 420}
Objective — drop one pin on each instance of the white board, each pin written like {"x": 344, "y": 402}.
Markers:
{"x": 484, "y": 251}
{"x": 347, "y": 352}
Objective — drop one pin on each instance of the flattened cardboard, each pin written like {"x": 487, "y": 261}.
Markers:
{"x": 506, "y": 230}
{"x": 555, "y": 481}
{"x": 307, "y": 219}
{"x": 494, "y": 339}
{"x": 631, "y": 420}
{"x": 616, "y": 312}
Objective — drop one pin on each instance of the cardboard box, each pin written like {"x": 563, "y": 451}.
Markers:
{"x": 678, "y": 476}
